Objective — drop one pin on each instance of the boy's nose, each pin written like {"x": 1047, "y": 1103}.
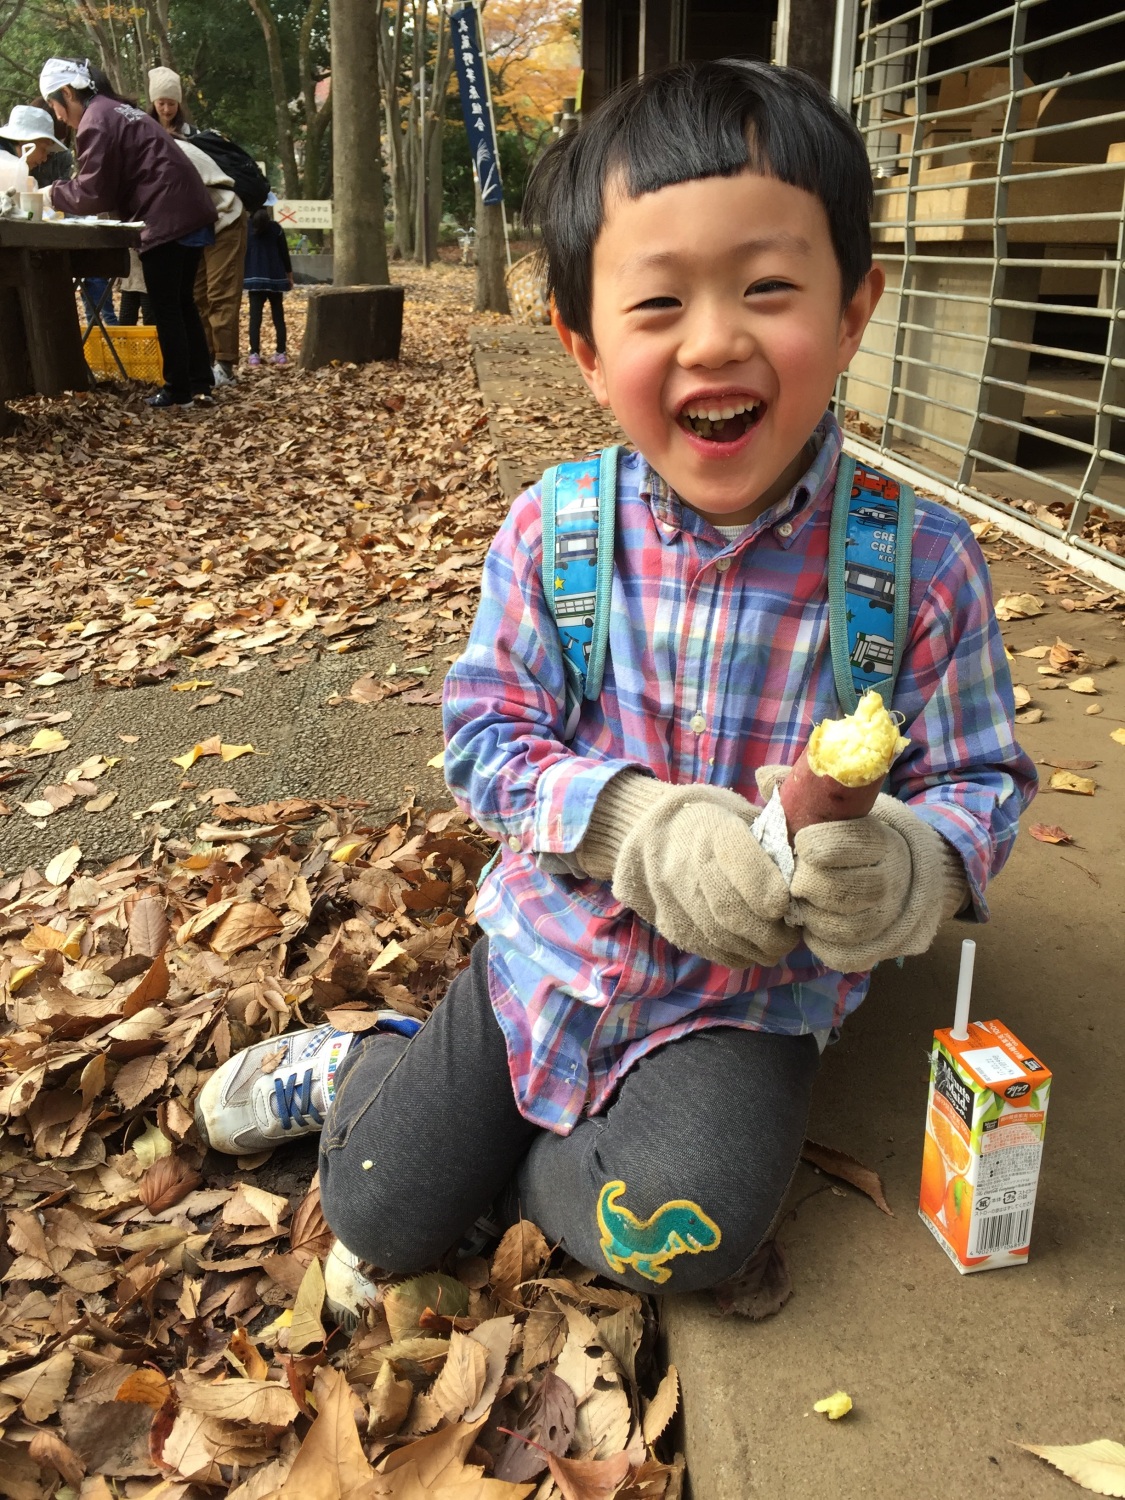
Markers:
{"x": 714, "y": 336}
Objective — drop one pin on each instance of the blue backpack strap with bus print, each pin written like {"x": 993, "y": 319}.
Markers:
{"x": 868, "y": 575}
{"x": 579, "y": 515}
{"x": 868, "y": 580}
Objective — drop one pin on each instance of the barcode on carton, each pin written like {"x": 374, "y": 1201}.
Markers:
{"x": 1001, "y": 1232}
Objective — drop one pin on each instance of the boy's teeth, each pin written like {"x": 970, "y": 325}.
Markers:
{"x": 719, "y": 413}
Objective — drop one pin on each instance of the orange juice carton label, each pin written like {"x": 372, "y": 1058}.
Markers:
{"x": 985, "y": 1117}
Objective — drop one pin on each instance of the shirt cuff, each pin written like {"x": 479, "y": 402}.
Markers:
{"x": 965, "y": 869}
{"x": 565, "y": 796}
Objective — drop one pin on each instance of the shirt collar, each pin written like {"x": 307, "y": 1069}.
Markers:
{"x": 794, "y": 510}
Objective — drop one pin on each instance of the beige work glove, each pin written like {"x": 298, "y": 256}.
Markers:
{"x": 866, "y": 889}
{"x": 684, "y": 859}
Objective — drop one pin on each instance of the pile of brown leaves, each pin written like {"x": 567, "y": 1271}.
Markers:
{"x": 139, "y": 542}
{"x": 164, "y": 1314}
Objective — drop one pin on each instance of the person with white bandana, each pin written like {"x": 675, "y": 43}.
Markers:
{"x": 130, "y": 167}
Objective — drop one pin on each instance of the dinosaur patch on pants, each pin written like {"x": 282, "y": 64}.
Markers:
{"x": 676, "y": 1228}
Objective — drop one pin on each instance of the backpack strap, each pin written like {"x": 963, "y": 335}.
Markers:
{"x": 868, "y": 580}
{"x": 579, "y": 519}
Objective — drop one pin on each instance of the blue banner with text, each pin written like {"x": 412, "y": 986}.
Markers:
{"x": 467, "y": 54}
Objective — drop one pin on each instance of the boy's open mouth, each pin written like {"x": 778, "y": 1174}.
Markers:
{"x": 723, "y": 421}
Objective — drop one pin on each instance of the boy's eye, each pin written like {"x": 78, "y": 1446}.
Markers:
{"x": 656, "y": 304}
{"x": 760, "y": 287}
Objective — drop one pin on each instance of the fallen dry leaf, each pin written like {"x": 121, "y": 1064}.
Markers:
{"x": 589, "y": 1478}
{"x": 330, "y": 1464}
{"x": 62, "y": 867}
{"x": 243, "y": 926}
{"x": 847, "y": 1169}
{"x": 47, "y": 1449}
{"x": 762, "y": 1287}
{"x": 167, "y": 1182}
{"x": 1018, "y": 607}
{"x": 1050, "y": 833}
{"x": 1083, "y": 685}
{"x": 41, "y": 1389}
{"x": 306, "y": 1329}
{"x": 1098, "y": 1466}
{"x": 661, "y": 1409}
{"x": 1116, "y": 734}
{"x": 1066, "y": 781}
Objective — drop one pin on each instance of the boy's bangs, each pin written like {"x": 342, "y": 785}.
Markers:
{"x": 693, "y": 121}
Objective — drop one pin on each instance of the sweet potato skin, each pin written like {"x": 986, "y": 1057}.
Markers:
{"x": 807, "y": 798}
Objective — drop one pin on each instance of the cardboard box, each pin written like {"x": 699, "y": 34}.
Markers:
{"x": 985, "y": 1119}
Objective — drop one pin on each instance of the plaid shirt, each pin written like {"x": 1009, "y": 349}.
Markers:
{"x": 718, "y": 663}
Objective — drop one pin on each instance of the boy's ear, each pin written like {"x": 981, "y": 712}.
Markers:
{"x": 857, "y": 315}
{"x": 585, "y": 357}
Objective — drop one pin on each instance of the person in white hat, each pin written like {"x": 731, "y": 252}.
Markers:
{"x": 49, "y": 160}
{"x": 218, "y": 283}
{"x": 132, "y": 169}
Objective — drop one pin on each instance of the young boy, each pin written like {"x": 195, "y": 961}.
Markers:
{"x": 628, "y": 1059}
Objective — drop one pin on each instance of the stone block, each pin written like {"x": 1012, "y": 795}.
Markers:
{"x": 353, "y": 324}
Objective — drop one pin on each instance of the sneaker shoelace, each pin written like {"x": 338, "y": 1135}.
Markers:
{"x": 294, "y": 1101}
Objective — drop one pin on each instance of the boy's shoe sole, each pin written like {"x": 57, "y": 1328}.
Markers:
{"x": 347, "y": 1291}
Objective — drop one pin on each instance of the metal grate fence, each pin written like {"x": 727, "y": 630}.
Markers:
{"x": 994, "y": 363}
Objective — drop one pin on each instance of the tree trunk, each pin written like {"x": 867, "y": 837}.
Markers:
{"x": 268, "y": 22}
{"x": 390, "y": 64}
{"x": 166, "y": 56}
{"x": 435, "y": 134}
{"x": 316, "y": 120}
{"x": 358, "y": 239}
{"x": 491, "y": 293}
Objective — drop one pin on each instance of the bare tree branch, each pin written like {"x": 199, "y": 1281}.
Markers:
{"x": 13, "y": 16}
{"x": 268, "y": 22}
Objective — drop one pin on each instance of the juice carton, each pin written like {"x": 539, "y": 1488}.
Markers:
{"x": 985, "y": 1118}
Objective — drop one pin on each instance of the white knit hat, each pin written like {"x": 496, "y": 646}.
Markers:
{"x": 163, "y": 83}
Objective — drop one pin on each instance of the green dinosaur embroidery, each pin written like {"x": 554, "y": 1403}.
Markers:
{"x": 676, "y": 1228}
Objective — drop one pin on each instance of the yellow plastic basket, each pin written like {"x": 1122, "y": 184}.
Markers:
{"x": 139, "y": 349}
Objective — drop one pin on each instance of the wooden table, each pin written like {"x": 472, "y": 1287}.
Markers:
{"x": 40, "y": 340}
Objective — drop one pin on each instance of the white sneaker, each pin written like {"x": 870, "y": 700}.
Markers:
{"x": 347, "y": 1291}
{"x": 222, "y": 373}
{"x": 278, "y": 1089}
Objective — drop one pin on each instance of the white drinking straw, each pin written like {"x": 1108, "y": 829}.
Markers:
{"x": 960, "y": 1031}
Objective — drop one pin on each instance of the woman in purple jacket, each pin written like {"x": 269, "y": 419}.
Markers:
{"x": 130, "y": 167}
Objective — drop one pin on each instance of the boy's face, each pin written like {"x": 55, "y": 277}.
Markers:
{"x": 720, "y": 296}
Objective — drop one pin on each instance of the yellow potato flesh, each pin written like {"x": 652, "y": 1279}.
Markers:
{"x": 858, "y": 749}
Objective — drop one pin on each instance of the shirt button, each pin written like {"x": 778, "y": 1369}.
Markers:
{"x": 513, "y": 842}
{"x": 698, "y": 723}
{"x": 785, "y": 529}
{"x": 722, "y": 564}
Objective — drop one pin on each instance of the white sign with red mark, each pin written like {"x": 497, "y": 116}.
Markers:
{"x": 304, "y": 213}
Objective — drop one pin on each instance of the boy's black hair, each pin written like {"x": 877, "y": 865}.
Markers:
{"x": 260, "y": 221}
{"x": 689, "y": 121}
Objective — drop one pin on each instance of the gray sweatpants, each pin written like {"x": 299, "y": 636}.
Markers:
{"x": 672, "y": 1189}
